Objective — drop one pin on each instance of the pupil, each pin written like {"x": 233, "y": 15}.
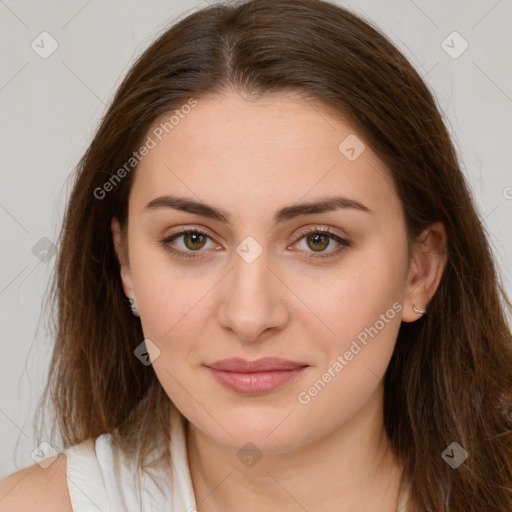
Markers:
{"x": 194, "y": 237}
{"x": 316, "y": 238}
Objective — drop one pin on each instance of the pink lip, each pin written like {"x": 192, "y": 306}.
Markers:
{"x": 255, "y": 377}
{"x": 237, "y": 364}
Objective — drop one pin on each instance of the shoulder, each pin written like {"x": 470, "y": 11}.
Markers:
{"x": 35, "y": 488}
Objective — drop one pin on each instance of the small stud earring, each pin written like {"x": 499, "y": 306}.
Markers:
{"x": 133, "y": 307}
{"x": 422, "y": 311}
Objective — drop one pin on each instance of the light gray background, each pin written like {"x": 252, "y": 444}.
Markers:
{"x": 51, "y": 107}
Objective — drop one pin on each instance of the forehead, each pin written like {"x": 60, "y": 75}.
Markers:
{"x": 277, "y": 150}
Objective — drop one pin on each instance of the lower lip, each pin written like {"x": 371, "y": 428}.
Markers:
{"x": 256, "y": 382}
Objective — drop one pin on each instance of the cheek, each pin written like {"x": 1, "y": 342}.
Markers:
{"x": 356, "y": 351}
{"x": 173, "y": 309}
{"x": 360, "y": 310}
{"x": 168, "y": 293}
{"x": 363, "y": 291}
{"x": 173, "y": 313}
{"x": 365, "y": 316}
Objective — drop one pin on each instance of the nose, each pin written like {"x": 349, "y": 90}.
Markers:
{"x": 254, "y": 300}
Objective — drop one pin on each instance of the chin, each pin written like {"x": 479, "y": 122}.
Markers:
{"x": 269, "y": 434}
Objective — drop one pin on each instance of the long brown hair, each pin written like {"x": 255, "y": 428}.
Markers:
{"x": 450, "y": 376}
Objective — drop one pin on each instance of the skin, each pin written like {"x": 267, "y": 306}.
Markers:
{"x": 251, "y": 158}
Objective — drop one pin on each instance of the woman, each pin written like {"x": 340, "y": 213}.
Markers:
{"x": 273, "y": 287}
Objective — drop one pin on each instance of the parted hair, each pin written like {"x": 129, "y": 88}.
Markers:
{"x": 450, "y": 375}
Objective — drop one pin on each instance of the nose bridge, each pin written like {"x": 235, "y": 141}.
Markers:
{"x": 250, "y": 276}
{"x": 252, "y": 303}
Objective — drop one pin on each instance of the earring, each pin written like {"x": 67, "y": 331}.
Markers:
{"x": 422, "y": 311}
{"x": 133, "y": 307}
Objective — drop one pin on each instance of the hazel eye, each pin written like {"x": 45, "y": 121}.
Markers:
{"x": 318, "y": 240}
{"x": 194, "y": 240}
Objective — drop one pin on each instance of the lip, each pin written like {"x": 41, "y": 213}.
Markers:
{"x": 255, "y": 377}
{"x": 237, "y": 364}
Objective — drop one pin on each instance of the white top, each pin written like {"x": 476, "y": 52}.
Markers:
{"x": 102, "y": 479}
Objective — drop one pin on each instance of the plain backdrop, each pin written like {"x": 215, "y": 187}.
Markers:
{"x": 51, "y": 106}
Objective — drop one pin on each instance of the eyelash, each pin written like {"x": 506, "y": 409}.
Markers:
{"x": 165, "y": 242}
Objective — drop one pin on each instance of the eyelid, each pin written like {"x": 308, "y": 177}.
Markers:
{"x": 303, "y": 231}
{"x": 187, "y": 229}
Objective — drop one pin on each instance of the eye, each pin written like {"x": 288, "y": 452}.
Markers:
{"x": 193, "y": 239}
{"x": 319, "y": 239}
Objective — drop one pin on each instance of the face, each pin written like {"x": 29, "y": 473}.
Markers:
{"x": 246, "y": 284}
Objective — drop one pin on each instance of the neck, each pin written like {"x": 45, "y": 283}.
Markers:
{"x": 351, "y": 468}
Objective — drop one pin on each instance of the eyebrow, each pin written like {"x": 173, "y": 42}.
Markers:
{"x": 327, "y": 204}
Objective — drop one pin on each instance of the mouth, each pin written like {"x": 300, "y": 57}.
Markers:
{"x": 255, "y": 377}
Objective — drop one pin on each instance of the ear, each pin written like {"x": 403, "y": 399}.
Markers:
{"x": 119, "y": 240}
{"x": 425, "y": 271}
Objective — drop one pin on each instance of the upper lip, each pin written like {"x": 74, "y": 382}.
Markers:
{"x": 237, "y": 364}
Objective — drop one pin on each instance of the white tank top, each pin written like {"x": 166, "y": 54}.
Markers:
{"x": 102, "y": 479}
